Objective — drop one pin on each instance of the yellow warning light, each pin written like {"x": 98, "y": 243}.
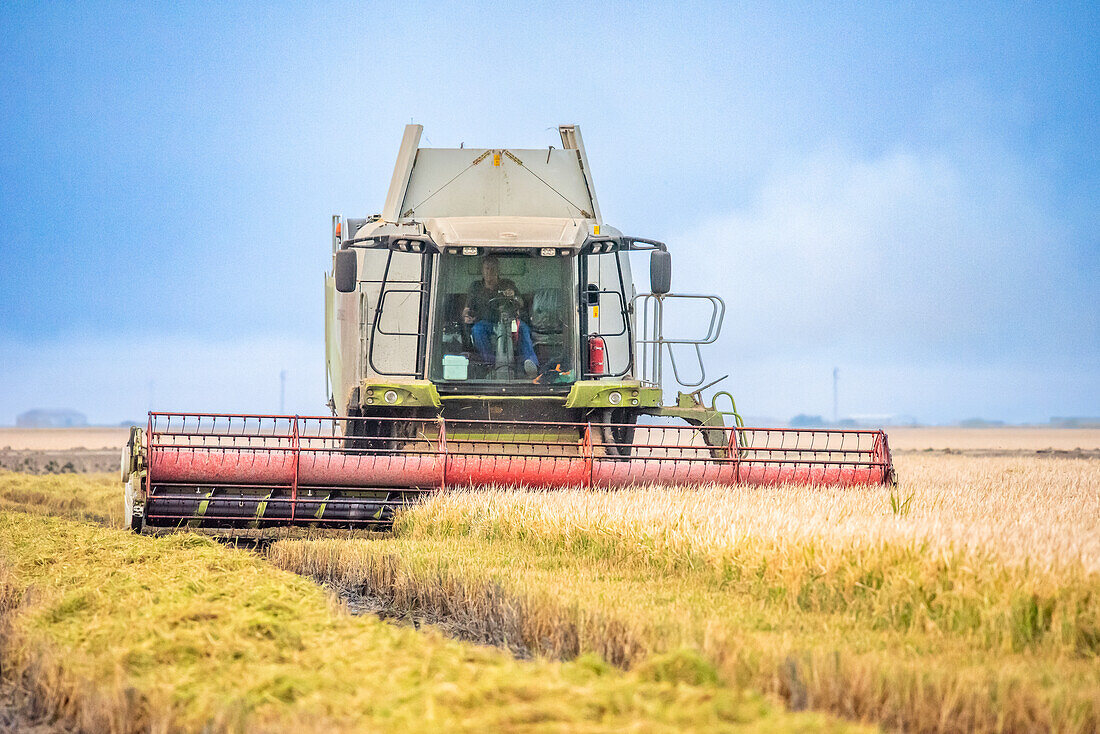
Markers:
{"x": 596, "y": 229}
{"x": 496, "y": 159}
{"x": 595, "y": 312}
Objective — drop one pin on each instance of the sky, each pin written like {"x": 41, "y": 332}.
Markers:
{"x": 908, "y": 193}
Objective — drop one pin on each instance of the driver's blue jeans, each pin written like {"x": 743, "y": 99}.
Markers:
{"x": 483, "y": 340}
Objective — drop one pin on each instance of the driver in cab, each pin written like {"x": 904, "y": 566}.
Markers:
{"x": 483, "y": 306}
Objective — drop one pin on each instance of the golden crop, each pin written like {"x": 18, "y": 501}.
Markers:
{"x": 968, "y": 599}
{"x": 1041, "y": 513}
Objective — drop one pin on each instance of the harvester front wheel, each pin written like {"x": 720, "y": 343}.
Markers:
{"x": 363, "y": 433}
{"x": 134, "y": 513}
{"x": 617, "y": 426}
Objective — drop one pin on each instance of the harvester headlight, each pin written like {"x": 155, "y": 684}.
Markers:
{"x": 391, "y": 396}
{"x": 548, "y": 252}
{"x": 615, "y": 398}
{"x": 634, "y": 401}
{"x": 469, "y": 250}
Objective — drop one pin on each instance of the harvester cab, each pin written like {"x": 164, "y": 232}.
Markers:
{"x": 489, "y": 287}
{"x": 483, "y": 329}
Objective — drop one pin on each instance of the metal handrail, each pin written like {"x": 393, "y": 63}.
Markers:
{"x": 652, "y": 342}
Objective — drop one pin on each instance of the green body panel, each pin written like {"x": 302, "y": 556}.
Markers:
{"x": 535, "y": 433}
{"x": 583, "y": 394}
{"x": 595, "y": 394}
{"x": 544, "y": 398}
{"x": 691, "y": 409}
{"x": 410, "y": 394}
{"x": 697, "y": 416}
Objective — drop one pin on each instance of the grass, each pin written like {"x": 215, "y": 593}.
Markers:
{"x": 115, "y": 632}
{"x": 975, "y": 608}
{"x": 91, "y": 497}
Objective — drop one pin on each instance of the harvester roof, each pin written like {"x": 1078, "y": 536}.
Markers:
{"x": 484, "y": 182}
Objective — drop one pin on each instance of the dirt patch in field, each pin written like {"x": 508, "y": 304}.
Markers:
{"x": 71, "y": 461}
{"x": 61, "y": 450}
{"x": 362, "y": 601}
{"x": 18, "y": 713}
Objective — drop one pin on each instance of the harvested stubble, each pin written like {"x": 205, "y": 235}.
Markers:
{"x": 116, "y": 632}
{"x": 967, "y": 599}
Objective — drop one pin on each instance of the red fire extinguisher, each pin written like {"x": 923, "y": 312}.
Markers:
{"x": 597, "y": 355}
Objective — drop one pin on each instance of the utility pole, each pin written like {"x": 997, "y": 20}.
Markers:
{"x": 282, "y": 393}
{"x": 836, "y": 411}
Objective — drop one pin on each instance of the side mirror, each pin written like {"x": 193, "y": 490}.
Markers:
{"x": 344, "y": 271}
{"x": 660, "y": 272}
{"x": 593, "y": 295}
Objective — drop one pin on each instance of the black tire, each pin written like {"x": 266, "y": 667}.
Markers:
{"x": 618, "y": 439}
{"x": 624, "y": 434}
{"x": 371, "y": 435}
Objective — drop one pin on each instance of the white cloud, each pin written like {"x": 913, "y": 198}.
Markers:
{"x": 907, "y": 263}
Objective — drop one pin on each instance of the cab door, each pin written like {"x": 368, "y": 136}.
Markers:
{"x": 394, "y": 313}
{"x": 606, "y": 292}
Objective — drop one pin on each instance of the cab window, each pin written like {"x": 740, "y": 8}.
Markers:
{"x": 505, "y": 318}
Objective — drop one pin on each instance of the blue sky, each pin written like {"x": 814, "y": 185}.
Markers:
{"x": 907, "y": 193}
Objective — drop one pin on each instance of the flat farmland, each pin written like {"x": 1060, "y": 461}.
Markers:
{"x": 61, "y": 450}
{"x": 902, "y": 438}
{"x": 1027, "y": 440}
{"x": 965, "y": 599}
{"x": 61, "y": 439}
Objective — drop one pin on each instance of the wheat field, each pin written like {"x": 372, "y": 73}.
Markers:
{"x": 965, "y": 599}
{"x": 1037, "y": 512}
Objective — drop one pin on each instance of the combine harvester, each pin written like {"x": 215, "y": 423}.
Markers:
{"x": 484, "y": 329}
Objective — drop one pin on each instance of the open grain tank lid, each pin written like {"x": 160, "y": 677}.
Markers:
{"x": 487, "y": 182}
